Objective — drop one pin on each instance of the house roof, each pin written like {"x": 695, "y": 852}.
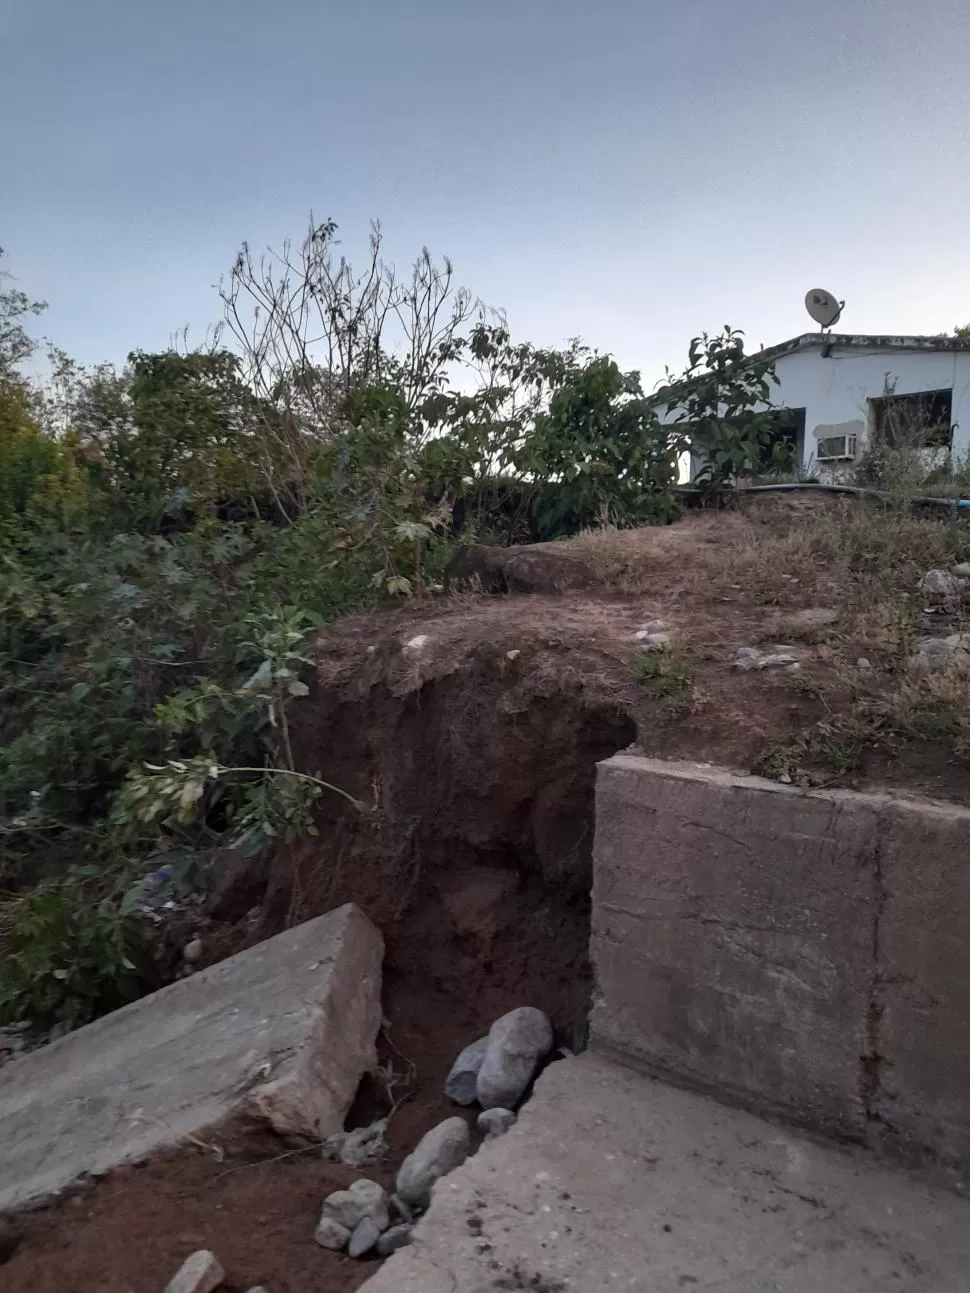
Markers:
{"x": 860, "y": 341}
{"x": 828, "y": 344}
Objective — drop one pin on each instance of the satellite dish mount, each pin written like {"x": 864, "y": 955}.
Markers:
{"x": 823, "y": 307}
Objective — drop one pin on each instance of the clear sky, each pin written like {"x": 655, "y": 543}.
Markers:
{"x": 627, "y": 172}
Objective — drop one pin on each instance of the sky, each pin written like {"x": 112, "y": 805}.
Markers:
{"x": 630, "y": 173}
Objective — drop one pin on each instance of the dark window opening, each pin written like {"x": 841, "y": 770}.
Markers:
{"x": 788, "y": 432}
{"x": 919, "y": 421}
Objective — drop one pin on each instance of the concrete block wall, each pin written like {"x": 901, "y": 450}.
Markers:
{"x": 806, "y": 954}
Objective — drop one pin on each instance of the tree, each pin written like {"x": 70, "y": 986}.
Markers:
{"x": 721, "y": 402}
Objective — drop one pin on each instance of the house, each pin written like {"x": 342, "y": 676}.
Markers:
{"x": 836, "y": 394}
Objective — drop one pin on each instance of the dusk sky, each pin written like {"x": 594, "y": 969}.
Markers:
{"x": 630, "y": 173}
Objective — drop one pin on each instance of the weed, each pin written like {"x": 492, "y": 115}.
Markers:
{"x": 666, "y": 679}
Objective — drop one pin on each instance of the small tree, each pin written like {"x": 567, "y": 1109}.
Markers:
{"x": 722, "y": 403}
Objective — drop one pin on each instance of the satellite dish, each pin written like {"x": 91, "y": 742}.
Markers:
{"x": 823, "y": 307}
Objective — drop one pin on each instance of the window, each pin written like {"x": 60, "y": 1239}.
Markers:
{"x": 919, "y": 421}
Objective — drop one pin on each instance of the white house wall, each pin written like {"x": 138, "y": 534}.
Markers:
{"x": 834, "y": 391}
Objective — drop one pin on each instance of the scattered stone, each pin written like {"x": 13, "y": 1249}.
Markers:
{"x": 11, "y": 1235}
{"x": 937, "y": 654}
{"x": 401, "y": 1208}
{"x": 331, "y": 1234}
{"x": 748, "y": 658}
{"x": 653, "y": 641}
{"x": 651, "y": 626}
{"x": 192, "y": 951}
{"x": 436, "y": 1154}
{"x": 816, "y": 617}
{"x": 358, "y": 1148}
{"x": 863, "y": 663}
{"x": 517, "y": 1043}
{"x": 349, "y": 1207}
{"x": 393, "y": 1239}
{"x": 460, "y": 1085}
{"x": 258, "y": 1289}
{"x": 962, "y": 571}
{"x": 940, "y": 583}
{"x": 415, "y": 645}
{"x": 364, "y": 1238}
{"x": 512, "y": 655}
{"x": 495, "y": 1122}
{"x": 199, "y": 1273}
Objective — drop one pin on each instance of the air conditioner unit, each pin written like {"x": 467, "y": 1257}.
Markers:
{"x": 836, "y": 448}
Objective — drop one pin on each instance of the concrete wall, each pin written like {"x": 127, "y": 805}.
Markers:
{"x": 807, "y": 954}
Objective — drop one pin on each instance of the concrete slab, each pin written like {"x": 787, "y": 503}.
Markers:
{"x": 283, "y": 1031}
{"x": 732, "y": 934}
{"x": 802, "y": 953}
{"x": 612, "y": 1180}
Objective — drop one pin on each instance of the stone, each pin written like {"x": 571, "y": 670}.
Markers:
{"x": 401, "y": 1208}
{"x": 863, "y": 663}
{"x": 331, "y": 1234}
{"x": 962, "y": 571}
{"x": 358, "y": 1148}
{"x": 940, "y": 583}
{"x": 517, "y": 1044}
{"x": 816, "y": 617}
{"x": 934, "y": 655}
{"x": 364, "y": 1238}
{"x": 437, "y": 1153}
{"x": 749, "y": 658}
{"x": 415, "y": 645}
{"x": 258, "y": 1289}
{"x": 653, "y": 641}
{"x": 192, "y": 951}
{"x": 281, "y": 1033}
{"x": 461, "y": 1083}
{"x": 393, "y": 1239}
{"x": 200, "y": 1273}
{"x": 363, "y": 1199}
{"x": 651, "y": 626}
{"x": 493, "y": 1123}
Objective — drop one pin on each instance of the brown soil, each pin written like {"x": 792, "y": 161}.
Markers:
{"x": 474, "y": 751}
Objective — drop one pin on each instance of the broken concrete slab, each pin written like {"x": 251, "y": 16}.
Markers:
{"x": 283, "y": 1031}
{"x": 731, "y": 934}
{"x": 611, "y": 1180}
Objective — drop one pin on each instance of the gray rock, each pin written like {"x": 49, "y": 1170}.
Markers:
{"x": 192, "y": 951}
{"x": 258, "y": 1289}
{"x": 816, "y": 617}
{"x": 461, "y": 1081}
{"x": 436, "y": 1154}
{"x": 199, "y": 1273}
{"x": 331, "y": 1234}
{"x": 937, "y": 654}
{"x": 962, "y": 571}
{"x": 401, "y": 1208}
{"x": 940, "y": 583}
{"x": 651, "y": 626}
{"x": 358, "y": 1148}
{"x": 495, "y": 1122}
{"x": 517, "y": 1043}
{"x": 393, "y": 1239}
{"x": 749, "y": 658}
{"x": 863, "y": 663}
{"x": 349, "y": 1207}
{"x": 653, "y": 641}
{"x": 364, "y": 1238}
